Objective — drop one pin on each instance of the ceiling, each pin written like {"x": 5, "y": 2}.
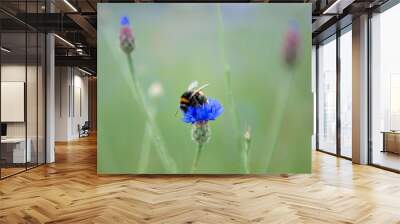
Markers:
{"x": 76, "y": 22}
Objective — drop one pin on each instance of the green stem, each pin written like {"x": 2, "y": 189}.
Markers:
{"x": 279, "y": 114}
{"x": 196, "y": 157}
{"x": 246, "y": 156}
{"x": 228, "y": 79}
{"x": 166, "y": 159}
{"x": 144, "y": 156}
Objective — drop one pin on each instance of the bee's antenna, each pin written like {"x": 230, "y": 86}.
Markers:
{"x": 176, "y": 113}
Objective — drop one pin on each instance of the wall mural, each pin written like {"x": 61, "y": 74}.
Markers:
{"x": 204, "y": 88}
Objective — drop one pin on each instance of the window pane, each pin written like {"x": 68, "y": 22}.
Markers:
{"x": 327, "y": 96}
{"x": 346, "y": 94}
{"x": 386, "y": 89}
{"x": 313, "y": 78}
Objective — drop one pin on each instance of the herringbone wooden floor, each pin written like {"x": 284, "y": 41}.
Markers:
{"x": 70, "y": 191}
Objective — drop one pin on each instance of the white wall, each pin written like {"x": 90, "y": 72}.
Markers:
{"x": 9, "y": 73}
{"x": 71, "y": 102}
{"x": 81, "y": 84}
{"x": 62, "y": 82}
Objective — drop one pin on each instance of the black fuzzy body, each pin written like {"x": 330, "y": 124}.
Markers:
{"x": 196, "y": 100}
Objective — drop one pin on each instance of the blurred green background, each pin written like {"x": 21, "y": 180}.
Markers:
{"x": 179, "y": 43}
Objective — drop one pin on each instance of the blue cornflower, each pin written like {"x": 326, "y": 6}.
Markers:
{"x": 206, "y": 112}
{"x": 124, "y": 21}
{"x": 199, "y": 117}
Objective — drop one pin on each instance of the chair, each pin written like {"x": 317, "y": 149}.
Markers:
{"x": 84, "y": 129}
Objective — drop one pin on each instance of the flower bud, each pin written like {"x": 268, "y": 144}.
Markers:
{"x": 247, "y": 135}
{"x": 201, "y": 133}
{"x": 291, "y": 45}
{"x": 126, "y": 37}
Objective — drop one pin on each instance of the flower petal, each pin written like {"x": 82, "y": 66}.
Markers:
{"x": 209, "y": 111}
{"x": 124, "y": 21}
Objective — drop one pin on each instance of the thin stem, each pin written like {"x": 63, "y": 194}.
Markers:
{"x": 144, "y": 156}
{"x": 246, "y": 156}
{"x": 279, "y": 112}
{"x": 227, "y": 69}
{"x": 196, "y": 157}
{"x": 228, "y": 79}
{"x": 166, "y": 159}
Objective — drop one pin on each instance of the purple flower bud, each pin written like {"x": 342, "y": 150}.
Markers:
{"x": 291, "y": 45}
{"x": 126, "y": 37}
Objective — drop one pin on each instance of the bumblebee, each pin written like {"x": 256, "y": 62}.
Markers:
{"x": 193, "y": 96}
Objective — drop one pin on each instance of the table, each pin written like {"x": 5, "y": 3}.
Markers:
{"x": 19, "y": 155}
{"x": 391, "y": 141}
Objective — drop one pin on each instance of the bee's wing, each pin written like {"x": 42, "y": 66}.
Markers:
{"x": 193, "y": 85}
{"x": 199, "y": 89}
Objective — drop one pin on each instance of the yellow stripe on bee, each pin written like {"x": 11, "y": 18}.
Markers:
{"x": 184, "y": 100}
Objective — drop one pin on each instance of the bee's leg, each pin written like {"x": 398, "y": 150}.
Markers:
{"x": 195, "y": 102}
{"x": 199, "y": 101}
{"x": 202, "y": 99}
